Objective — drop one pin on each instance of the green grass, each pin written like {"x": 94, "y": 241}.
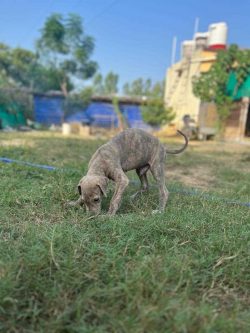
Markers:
{"x": 186, "y": 270}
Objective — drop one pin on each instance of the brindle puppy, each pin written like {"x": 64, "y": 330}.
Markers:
{"x": 131, "y": 149}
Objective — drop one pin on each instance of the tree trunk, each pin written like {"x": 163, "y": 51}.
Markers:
{"x": 121, "y": 124}
{"x": 64, "y": 88}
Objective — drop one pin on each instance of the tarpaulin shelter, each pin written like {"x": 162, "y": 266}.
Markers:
{"x": 48, "y": 108}
{"x": 11, "y": 119}
{"x": 15, "y": 107}
{"x": 78, "y": 117}
{"x": 97, "y": 114}
{"x": 133, "y": 116}
{"x": 235, "y": 90}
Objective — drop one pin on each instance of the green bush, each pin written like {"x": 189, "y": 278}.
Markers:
{"x": 155, "y": 113}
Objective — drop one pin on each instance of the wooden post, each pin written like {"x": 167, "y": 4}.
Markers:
{"x": 243, "y": 117}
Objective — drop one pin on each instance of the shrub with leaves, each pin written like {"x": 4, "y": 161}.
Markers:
{"x": 211, "y": 86}
{"x": 155, "y": 113}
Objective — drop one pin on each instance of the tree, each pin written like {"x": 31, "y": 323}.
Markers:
{"x": 65, "y": 48}
{"x": 98, "y": 84}
{"x": 138, "y": 87}
{"x": 154, "y": 111}
{"x": 45, "y": 79}
{"x": 20, "y": 68}
{"x": 121, "y": 122}
{"x": 17, "y": 66}
{"x": 211, "y": 86}
{"x": 147, "y": 87}
{"x": 126, "y": 89}
{"x": 105, "y": 85}
{"x": 110, "y": 83}
{"x": 4, "y": 65}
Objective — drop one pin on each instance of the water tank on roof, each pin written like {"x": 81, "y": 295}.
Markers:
{"x": 188, "y": 48}
{"x": 217, "y": 38}
{"x": 201, "y": 40}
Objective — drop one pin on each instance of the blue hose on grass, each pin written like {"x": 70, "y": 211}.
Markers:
{"x": 41, "y": 166}
{"x": 185, "y": 192}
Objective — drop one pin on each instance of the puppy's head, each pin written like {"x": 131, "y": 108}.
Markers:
{"x": 91, "y": 190}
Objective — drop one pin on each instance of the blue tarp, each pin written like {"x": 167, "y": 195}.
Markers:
{"x": 48, "y": 109}
{"x": 97, "y": 114}
{"x": 102, "y": 114}
{"x": 132, "y": 114}
{"x": 78, "y": 117}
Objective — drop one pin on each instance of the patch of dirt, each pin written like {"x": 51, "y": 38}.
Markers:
{"x": 199, "y": 176}
{"x": 217, "y": 146}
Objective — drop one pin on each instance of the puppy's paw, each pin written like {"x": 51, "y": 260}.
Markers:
{"x": 69, "y": 204}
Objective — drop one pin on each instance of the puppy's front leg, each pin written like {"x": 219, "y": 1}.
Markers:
{"x": 122, "y": 182}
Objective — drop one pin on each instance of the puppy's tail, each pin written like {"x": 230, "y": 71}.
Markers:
{"x": 178, "y": 151}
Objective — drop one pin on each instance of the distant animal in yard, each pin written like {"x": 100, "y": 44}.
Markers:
{"x": 129, "y": 150}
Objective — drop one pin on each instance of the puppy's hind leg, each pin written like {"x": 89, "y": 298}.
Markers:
{"x": 157, "y": 170}
{"x": 142, "y": 174}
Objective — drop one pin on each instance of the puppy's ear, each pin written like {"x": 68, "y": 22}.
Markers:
{"x": 79, "y": 185}
{"x": 79, "y": 189}
{"x": 103, "y": 183}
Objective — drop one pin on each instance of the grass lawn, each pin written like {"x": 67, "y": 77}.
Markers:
{"x": 187, "y": 270}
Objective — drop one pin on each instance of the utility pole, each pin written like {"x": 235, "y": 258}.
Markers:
{"x": 196, "y": 25}
{"x": 173, "y": 50}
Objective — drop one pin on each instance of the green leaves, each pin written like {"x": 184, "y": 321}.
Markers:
{"x": 65, "y": 47}
{"x": 53, "y": 35}
{"x": 211, "y": 86}
{"x": 110, "y": 83}
{"x": 155, "y": 113}
{"x": 73, "y": 28}
{"x": 105, "y": 85}
{"x": 63, "y": 51}
{"x": 144, "y": 87}
{"x": 138, "y": 87}
{"x": 17, "y": 65}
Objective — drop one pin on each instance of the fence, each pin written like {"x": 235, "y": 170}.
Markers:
{"x": 15, "y": 108}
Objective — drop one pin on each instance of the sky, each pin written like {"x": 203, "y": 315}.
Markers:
{"x": 133, "y": 38}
